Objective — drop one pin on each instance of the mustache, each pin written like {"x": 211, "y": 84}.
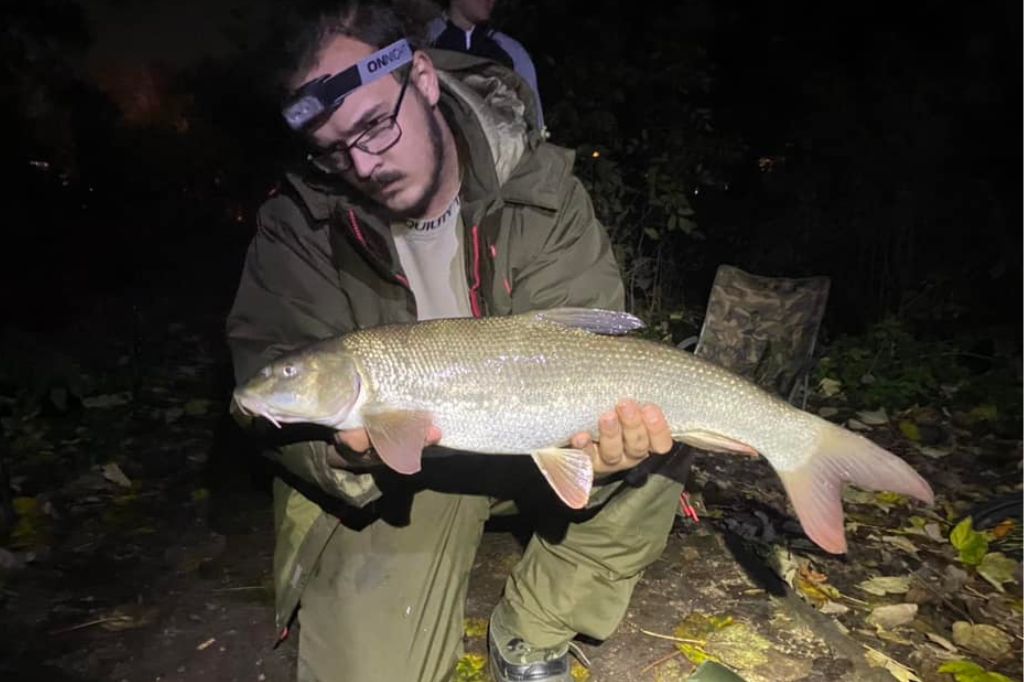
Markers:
{"x": 385, "y": 178}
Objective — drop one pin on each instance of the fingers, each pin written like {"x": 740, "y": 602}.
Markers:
{"x": 636, "y": 444}
{"x": 609, "y": 440}
{"x": 626, "y": 437}
{"x": 658, "y": 431}
{"x": 433, "y": 435}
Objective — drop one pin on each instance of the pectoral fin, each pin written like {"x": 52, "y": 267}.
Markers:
{"x": 569, "y": 472}
{"x": 714, "y": 442}
{"x": 398, "y": 437}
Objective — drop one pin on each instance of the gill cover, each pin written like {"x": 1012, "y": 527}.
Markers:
{"x": 318, "y": 385}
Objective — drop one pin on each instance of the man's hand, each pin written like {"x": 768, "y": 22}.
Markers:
{"x": 626, "y": 437}
{"x": 355, "y": 447}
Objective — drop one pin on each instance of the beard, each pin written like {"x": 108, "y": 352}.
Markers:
{"x": 435, "y": 160}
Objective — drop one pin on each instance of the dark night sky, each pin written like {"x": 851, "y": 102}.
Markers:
{"x": 173, "y": 32}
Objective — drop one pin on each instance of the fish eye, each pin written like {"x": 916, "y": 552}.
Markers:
{"x": 289, "y": 370}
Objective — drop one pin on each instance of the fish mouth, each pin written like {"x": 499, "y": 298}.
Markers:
{"x": 254, "y": 406}
{"x": 257, "y": 407}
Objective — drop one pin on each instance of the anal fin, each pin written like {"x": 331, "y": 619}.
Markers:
{"x": 714, "y": 442}
{"x": 570, "y": 474}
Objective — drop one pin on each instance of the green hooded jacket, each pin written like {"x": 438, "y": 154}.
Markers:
{"x": 323, "y": 263}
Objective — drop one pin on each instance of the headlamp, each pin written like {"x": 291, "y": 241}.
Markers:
{"x": 319, "y": 98}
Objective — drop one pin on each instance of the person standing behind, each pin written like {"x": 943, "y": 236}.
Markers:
{"x": 464, "y": 28}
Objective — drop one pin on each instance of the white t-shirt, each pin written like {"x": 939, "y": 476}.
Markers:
{"x": 432, "y": 256}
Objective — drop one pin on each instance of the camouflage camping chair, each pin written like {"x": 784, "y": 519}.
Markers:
{"x": 764, "y": 328}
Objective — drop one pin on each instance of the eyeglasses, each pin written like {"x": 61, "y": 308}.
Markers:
{"x": 378, "y": 137}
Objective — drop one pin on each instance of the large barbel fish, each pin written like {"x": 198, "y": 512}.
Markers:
{"x": 527, "y": 383}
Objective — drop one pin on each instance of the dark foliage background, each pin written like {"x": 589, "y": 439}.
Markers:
{"x": 873, "y": 143}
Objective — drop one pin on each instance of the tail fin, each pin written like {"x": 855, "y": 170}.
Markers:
{"x": 815, "y": 488}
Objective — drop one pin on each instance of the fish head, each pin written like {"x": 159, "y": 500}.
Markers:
{"x": 312, "y": 386}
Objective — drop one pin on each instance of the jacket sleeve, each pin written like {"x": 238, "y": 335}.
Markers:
{"x": 290, "y": 295}
{"x": 570, "y": 262}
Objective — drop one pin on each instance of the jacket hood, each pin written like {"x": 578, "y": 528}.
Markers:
{"x": 490, "y": 109}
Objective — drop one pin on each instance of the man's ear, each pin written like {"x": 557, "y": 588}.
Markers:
{"x": 424, "y": 77}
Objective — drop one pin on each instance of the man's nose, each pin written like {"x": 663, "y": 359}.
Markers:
{"x": 363, "y": 163}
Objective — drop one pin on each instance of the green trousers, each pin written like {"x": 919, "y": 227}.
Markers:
{"x": 385, "y": 601}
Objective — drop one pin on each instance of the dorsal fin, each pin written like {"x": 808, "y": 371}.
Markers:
{"x": 596, "y": 320}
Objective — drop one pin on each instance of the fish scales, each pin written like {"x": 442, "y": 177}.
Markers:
{"x": 527, "y": 383}
{"x": 497, "y": 385}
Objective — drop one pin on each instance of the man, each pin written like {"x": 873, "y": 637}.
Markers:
{"x": 435, "y": 198}
{"x": 464, "y": 28}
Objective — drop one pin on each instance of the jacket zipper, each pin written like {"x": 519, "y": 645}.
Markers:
{"x": 361, "y": 238}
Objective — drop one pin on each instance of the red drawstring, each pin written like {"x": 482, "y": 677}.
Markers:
{"x": 355, "y": 228}
{"x": 687, "y": 508}
{"x": 362, "y": 240}
{"x": 474, "y": 290}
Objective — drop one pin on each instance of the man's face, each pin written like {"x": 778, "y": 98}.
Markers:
{"x": 476, "y": 11}
{"x": 403, "y": 178}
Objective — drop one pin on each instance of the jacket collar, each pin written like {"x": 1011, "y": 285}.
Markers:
{"x": 488, "y": 108}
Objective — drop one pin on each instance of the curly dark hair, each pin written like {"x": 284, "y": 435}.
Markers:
{"x": 307, "y": 26}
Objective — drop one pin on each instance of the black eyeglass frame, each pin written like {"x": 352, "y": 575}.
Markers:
{"x": 337, "y": 157}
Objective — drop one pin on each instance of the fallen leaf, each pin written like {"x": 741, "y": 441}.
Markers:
{"x": 817, "y": 593}
{"x": 892, "y": 615}
{"x": 830, "y": 387}
{"x": 112, "y": 472}
{"x": 834, "y": 608}
{"x": 902, "y": 542}
{"x": 738, "y": 646}
{"x": 471, "y": 668}
{"x": 997, "y": 569}
{"x": 968, "y": 671}
{"x": 942, "y": 641}
{"x": 954, "y": 579}
{"x": 910, "y": 430}
{"x": 578, "y": 672}
{"x": 883, "y": 585}
{"x": 785, "y": 565}
{"x": 929, "y": 529}
{"x": 972, "y": 545}
{"x": 873, "y": 417}
{"x": 475, "y": 628}
{"x": 1004, "y": 528}
{"x": 892, "y": 636}
{"x": 858, "y": 496}
{"x": 985, "y": 640}
{"x": 876, "y": 659}
{"x": 857, "y": 425}
{"x": 934, "y": 452}
{"x": 883, "y": 500}
{"x": 698, "y": 626}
